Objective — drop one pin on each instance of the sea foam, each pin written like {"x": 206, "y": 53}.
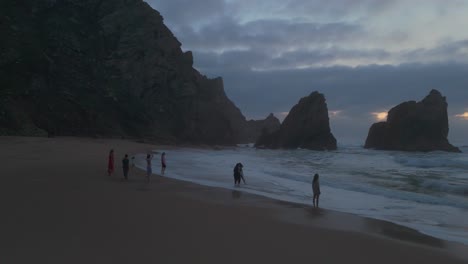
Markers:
{"x": 390, "y": 185}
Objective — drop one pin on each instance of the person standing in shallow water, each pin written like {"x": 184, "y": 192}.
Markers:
{"x": 316, "y": 190}
{"x": 238, "y": 174}
{"x": 163, "y": 163}
{"x": 149, "y": 170}
{"x": 125, "y": 166}
{"x": 110, "y": 163}
{"x": 241, "y": 172}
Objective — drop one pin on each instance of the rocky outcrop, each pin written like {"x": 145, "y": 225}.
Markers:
{"x": 414, "y": 126}
{"x": 105, "y": 67}
{"x": 306, "y": 126}
{"x": 254, "y": 128}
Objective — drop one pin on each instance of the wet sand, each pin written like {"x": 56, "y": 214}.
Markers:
{"x": 59, "y": 206}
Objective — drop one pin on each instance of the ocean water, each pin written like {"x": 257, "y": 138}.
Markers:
{"x": 424, "y": 191}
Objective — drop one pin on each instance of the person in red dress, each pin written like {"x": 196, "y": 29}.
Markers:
{"x": 110, "y": 164}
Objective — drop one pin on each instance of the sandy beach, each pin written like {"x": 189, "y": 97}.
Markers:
{"x": 59, "y": 206}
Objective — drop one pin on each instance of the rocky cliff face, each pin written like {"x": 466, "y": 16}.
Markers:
{"x": 306, "y": 126}
{"x": 105, "y": 67}
{"x": 414, "y": 126}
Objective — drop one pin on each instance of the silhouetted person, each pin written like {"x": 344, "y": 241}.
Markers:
{"x": 110, "y": 163}
{"x": 241, "y": 172}
{"x": 149, "y": 170}
{"x": 163, "y": 163}
{"x": 125, "y": 166}
{"x": 316, "y": 190}
{"x": 238, "y": 174}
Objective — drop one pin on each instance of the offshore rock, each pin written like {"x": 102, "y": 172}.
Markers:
{"x": 414, "y": 126}
{"x": 306, "y": 126}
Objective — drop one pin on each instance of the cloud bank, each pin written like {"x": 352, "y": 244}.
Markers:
{"x": 366, "y": 56}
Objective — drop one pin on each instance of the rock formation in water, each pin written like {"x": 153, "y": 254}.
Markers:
{"x": 306, "y": 126}
{"x": 105, "y": 68}
{"x": 414, "y": 126}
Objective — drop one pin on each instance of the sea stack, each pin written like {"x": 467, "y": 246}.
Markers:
{"x": 414, "y": 126}
{"x": 306, "y": 126}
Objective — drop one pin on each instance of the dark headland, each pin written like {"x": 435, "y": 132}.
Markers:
{"x": 108, "y": 68}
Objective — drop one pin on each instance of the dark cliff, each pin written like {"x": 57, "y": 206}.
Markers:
{"x": 414, "y": 126}
{"x": 306, "y": 126}
{"x": 105, "y": 68}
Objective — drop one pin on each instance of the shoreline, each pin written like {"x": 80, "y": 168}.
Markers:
{"x": 48, "y": 211}
{"x": 306, "y": 215}
{"x": 406, "y": 195}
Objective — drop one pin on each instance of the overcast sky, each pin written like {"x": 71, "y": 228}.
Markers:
{"x": 366, "y": 56}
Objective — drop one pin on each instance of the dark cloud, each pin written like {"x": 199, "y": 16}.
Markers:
{"x": 270, "y": 35}
{"x": 229, "y": 61}
{"x": 337, "y": 7}
{"x": 316, "y": 8}
{"x": 453, "y": 51}
{"x": 263, "y": 60}
{"x": 326, "y": 56}
{"x": 211, "y": 26}
{"x": 187, "y": 12}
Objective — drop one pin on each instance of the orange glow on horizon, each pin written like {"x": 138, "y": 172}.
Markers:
{"x": 463, "y": 116}
{"x": 380, "y": 116}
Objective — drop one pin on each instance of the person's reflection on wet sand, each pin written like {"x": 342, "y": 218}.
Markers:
{"x": 236, "y": 194}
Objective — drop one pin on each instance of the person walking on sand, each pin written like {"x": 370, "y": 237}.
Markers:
{"x": 316, "y": 190}
{"x": 149, "y": 170}
{"x": 163, "y": 163}
{"x": 110, "y": 163}
{"x": 125, "y": 166}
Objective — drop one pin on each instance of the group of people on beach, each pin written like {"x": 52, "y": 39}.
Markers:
{"x": 239, "y": 175}
{"x": 126, "y": 165}
{"x": 149, "y": 168}
{"x": 238, "y": 172}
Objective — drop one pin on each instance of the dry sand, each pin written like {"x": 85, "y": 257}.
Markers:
{"x": 59, "y": 206}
